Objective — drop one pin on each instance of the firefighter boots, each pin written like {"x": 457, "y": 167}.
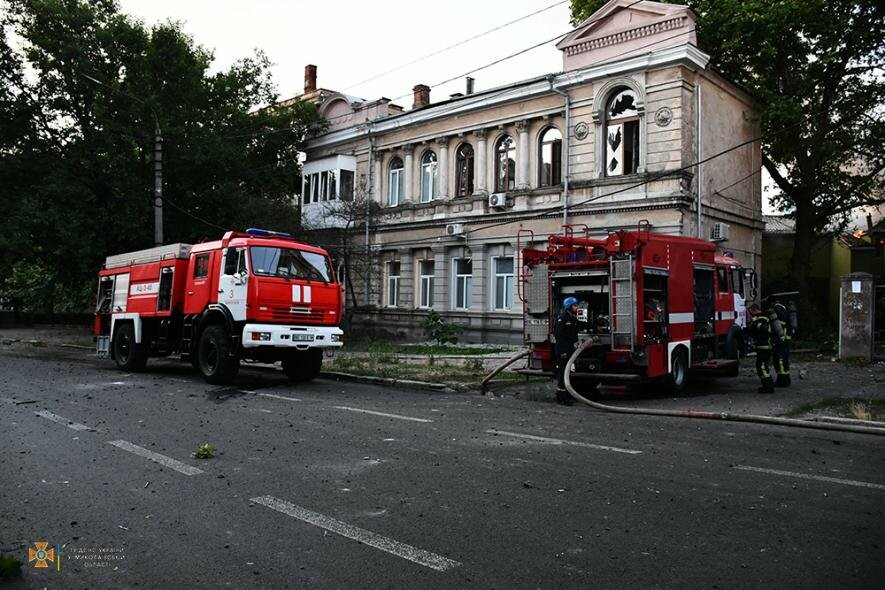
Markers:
{"x": 783, "y": 380}
{"x": 767, "y": 386}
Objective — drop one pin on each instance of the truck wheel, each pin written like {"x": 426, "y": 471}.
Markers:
{"x": 128, "y": 354}
{"x": 303, "y": 365}
{"x": 733, "y": 350}
{"x": 214, "y": 356}
{"x": 675, "y": 381}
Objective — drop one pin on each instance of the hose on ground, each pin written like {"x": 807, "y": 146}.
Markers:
{"x": 706, "y": 415}
{"x": 510, "y": 361}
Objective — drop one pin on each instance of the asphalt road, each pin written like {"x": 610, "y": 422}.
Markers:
{"x": 343, "y": 485}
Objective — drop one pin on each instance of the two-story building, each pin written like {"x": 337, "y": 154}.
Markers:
{"x": 635, "y": 127}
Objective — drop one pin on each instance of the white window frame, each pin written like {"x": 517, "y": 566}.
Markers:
{"x": 392, "y": 299}
{"x": 426, "y": 284}
{"x": 430, "y": 169}
{"x": 322, "y": 175}
{"x": 467, "y": 279}
{"x": 395, "y": 179}
{"x": 507, "y": 301}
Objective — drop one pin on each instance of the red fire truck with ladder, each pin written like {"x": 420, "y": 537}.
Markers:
{"x": 655, "y": 306}
{"x": 258, "y": 295}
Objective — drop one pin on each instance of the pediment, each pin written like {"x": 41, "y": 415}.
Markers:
{"x": 619, "y": 18}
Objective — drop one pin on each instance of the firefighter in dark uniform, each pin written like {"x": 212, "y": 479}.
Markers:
{"x": 565, "y": 333}
{"x": 781, "y": 330}
{"x": 760, "y": 331}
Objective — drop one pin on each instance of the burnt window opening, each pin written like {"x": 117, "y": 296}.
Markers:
{"x": 505, "y": 164}
{"x": 550, "y": 158}
{"x": 464, "y": 169}
{"x": 622, "y": 134}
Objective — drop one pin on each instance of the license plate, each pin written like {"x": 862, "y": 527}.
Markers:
{"x": 302, "y": 337}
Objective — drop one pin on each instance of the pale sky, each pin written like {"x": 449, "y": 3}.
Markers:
{"x": 350, "y": 41}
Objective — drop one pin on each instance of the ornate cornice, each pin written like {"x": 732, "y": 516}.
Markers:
{"x": 628, "y": 35}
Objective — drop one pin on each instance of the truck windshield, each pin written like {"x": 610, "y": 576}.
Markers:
{"x": 290, "y": 263}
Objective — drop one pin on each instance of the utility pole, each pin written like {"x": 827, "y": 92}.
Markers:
{"x": 158, "y": 185}
{"x": 158, "y": 161}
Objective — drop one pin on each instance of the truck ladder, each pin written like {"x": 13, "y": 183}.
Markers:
{"x": 623, "y": 304}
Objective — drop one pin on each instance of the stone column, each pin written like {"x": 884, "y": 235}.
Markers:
{"x": 479, "y": 172}
{"x": 406, "y": 278}
{"x": 408, "y": 163}
{"x": 440, "y": 278}
{"x": 443, "y": 169}
{"x": 522, "y": 167}
{"x": 479, "y": 298}
{"x": 376, "y": 178}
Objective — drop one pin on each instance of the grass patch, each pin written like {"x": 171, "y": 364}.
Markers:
{"x": 381, "y": 365}
{"x": 846, "y": 407}
{"x": 204, "y": 451}
{"x": 10, "y": 567}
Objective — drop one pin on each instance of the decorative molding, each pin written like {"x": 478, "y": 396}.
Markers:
{"x": 443, "y": 142}
{"x": 663, "y": 116}
{"x": 481, "y": 134}
{"x": 522, "y": 126}
{"x": 582, "y": 130}
{"x": 630, "y": 35}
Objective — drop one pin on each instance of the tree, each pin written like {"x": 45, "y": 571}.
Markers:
{"x": 76, "y": 151}
{"x": 815, "y": 69}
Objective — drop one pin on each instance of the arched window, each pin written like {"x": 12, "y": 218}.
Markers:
{"x": 622, "y": 133}
{"x": 550, "y": 158}
{"x": 429, "y": 177}
{"x": 395, "y": 182}
{"x": 464, "y": 170}
{"x": 505, "y": 164}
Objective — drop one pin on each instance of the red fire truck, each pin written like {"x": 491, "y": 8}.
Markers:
{"x": 258, "y": 295}
{"x": 655, "y": 306}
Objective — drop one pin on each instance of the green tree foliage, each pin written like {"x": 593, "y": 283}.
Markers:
{"x": 815, "y": 69}
{"x": 83, "y": 90}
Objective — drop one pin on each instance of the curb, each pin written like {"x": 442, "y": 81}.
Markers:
{"x": 436, "y": 387}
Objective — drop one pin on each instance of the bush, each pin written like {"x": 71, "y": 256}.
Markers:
{"x": 439, "y": 329}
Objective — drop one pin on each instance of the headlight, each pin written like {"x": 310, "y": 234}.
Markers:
{"x": 261, "y": 336}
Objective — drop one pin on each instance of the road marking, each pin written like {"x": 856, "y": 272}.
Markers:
{"x": 413, "y": 554}
{"x": 62, "y": 420}
{"x": 397, "y": 416}
{"x": 559, "y": 441}
{"x": 847, "y": 482}
{"x": 156, "y": 457}
{"x": 275, "y": 396}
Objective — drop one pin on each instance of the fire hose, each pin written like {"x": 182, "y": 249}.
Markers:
{"x": 706, "y": 415}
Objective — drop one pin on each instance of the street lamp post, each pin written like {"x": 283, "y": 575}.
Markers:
{"x": 158, "y": 162}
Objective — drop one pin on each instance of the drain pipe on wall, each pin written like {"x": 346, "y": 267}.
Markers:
{"x": 700, "y": 171}
{"x": 369, "y": 196}
{"x": 565, "y": 148}
{"x": 706, "y": 415}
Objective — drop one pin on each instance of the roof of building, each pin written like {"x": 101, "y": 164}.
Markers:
{"x": 779, "y": 224}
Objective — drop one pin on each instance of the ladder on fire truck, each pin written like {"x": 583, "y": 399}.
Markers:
{"x": 623, "y": 304}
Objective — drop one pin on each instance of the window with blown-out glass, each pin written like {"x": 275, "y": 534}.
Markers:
{"x": 464, "y": 170}
{"x": 621, "y": 133}
{"x": 505, "y": 164}
{"x": 550, "y": 158}
{"x": 429, "y": 177}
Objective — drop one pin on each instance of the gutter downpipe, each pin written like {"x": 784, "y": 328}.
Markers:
{"x": 565, "y": 146}
{"x": 700, "y": 172}
{"x": 369, "y": 196}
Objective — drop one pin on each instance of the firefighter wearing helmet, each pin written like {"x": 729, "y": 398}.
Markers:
{"x": 760, "y": 331}
{"x": 565, "y": 333}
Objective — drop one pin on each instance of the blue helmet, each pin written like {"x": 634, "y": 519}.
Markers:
{"x": 569, "y": 301}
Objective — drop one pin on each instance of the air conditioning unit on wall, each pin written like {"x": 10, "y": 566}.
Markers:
{"x": 454, "y": 229}
{"x": 719, "y": 232}
{"x": 500, "y": 200}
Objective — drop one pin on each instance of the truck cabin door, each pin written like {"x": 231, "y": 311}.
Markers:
{"x": 232, "y": 286}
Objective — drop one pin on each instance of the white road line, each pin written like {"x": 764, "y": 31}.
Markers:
{"x": 273, "y": 395}
{"x": 559, "y": 441}
{"x": 62, "y": 420}
{"x": 413, "y": 554}
{"x": 397, "y": 416}
{"x": 156, "y": 457}
{"x": 847, "y": 482}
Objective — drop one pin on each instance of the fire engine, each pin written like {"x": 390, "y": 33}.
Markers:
{"x": 655, "y": 306}
{"x": 258, "y": 295}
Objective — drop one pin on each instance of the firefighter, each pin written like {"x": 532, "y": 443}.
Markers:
{"x": 781, "y": 328}
{"x": 565, "y": 332}
{"x": 760, "y": 331}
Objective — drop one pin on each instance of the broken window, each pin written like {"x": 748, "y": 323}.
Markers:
{"x": 622, "y": 134}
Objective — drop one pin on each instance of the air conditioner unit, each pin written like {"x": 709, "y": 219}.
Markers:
{"x": 500, "y": 200}
{"x": 454, "y": 229}
{"x": 719, "y": 232}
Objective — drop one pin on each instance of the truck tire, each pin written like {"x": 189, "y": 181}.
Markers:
{"x": 128, "y": 354}
{"x": 215, "y": 358}
{"x": 303, "y": 365}
{"x": 734, "y": 350}
{"x": 675, "y": 381}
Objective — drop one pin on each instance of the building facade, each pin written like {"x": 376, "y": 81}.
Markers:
{"x": 635, "y": 128}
